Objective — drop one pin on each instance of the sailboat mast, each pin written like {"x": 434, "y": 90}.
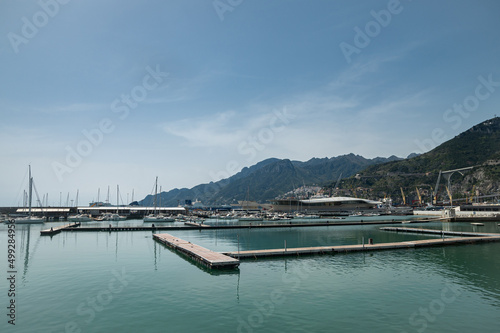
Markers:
{"x": 30, "y": 191}
{"x": 117, "y": 196}
{"x": 156, "y": 193}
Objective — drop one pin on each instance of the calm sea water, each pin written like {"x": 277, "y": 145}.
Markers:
{"x": 126, "y": 282}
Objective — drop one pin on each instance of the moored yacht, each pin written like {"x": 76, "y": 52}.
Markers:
{"x": 29, "y": 219}
{"x": 157, "y": 217}
{"x": 79, "y": 218}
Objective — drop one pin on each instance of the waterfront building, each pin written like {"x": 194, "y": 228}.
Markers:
{"x": 323, "y": 204}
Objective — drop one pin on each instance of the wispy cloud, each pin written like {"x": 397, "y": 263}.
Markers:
{"x": 219, "y": 130}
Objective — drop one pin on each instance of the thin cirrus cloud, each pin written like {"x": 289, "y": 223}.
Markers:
{"x": 229, "y": 128}
{"x": 219, "y": 130}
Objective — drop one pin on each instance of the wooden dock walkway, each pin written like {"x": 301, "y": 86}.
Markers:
{"x": 472, "y": 238}
{"x": 208, "y": 258}
{"x": 110, "y": 228}
{"x": 53, "y": 231}
{"x": 440, "y": 232}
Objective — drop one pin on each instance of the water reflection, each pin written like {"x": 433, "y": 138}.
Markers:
{"x": 473, "y": 266}
{"x": 26, "y": 231}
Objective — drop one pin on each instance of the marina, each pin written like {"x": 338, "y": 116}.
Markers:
{"x": 250, "y": 225}
{"x": 215, "y": 260}
{"x": 149, "y": 277}
{"x": 233, "y": 166}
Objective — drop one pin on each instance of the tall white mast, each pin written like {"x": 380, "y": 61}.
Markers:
{"x": 156, "y": 193}
{"x": 30, "y": 191}
{"x": 117, "y": 196}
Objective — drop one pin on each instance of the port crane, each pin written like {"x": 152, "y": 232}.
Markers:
{"x": 419, "y": 196}
{"x": 403, "y": 195}
{"x": 447, "y": 174}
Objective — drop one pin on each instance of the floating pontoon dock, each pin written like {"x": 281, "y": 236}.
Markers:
{"x": 469, "y": 238}
{"x": 53, "y": 231}
{"x": 199, "y": 226}
{"x": 200, "y": 254}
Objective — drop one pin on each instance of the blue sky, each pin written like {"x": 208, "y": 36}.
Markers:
{"x": 100, "y": 93}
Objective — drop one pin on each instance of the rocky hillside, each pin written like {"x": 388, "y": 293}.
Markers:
{"x": 478, "y": 147}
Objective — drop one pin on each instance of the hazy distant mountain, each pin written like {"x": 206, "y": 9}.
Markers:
{"x": 412, "y": 155}
{"x": 270, "y": 178}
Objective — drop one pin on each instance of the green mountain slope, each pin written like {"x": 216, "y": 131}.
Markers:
{"x": 478, "y": 147}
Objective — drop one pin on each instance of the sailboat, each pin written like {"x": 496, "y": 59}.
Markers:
{"x": 156, "y": 217}
{"x": 29, "y": 218}
{"x": 79, "y": 217}
{"x": 117, "y": 216}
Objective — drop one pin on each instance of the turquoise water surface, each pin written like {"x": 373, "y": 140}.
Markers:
{"x": 126, "y": 282}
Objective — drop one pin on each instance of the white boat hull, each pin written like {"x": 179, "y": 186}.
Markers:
{"x": 158, "y": 219}
{"x": 29, "y": 220}
{"x": 79, "y": 219}
{"x": 250, "y": 219}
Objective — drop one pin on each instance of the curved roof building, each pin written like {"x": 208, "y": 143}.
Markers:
{"x": 324, "y": 204}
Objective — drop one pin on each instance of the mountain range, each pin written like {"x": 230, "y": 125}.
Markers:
{"x": 269, "y": 179}
{"x": 478, "y": 147}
